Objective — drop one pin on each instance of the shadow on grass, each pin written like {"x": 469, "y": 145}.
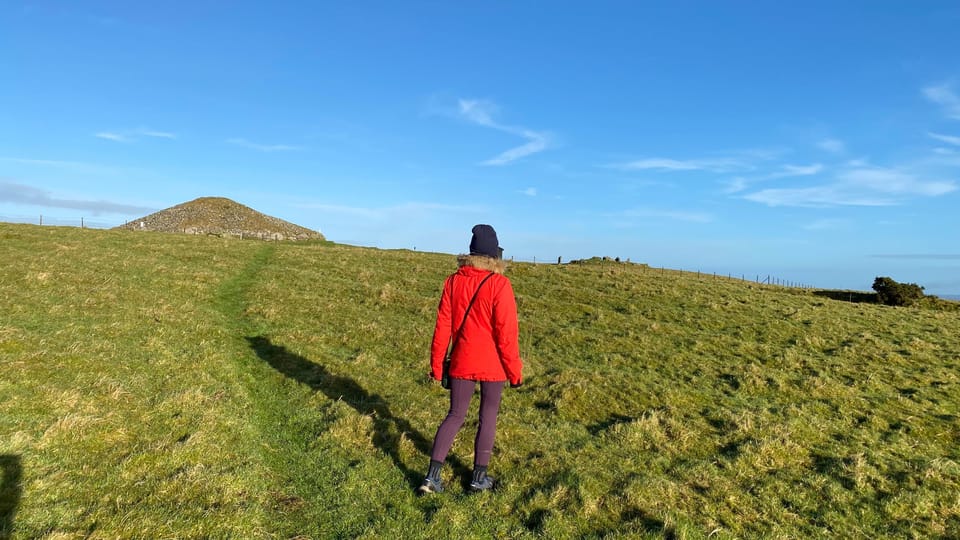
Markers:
{"x": 649, "y": 524}
{"x": 388, "y": 428}
{"x": 11, "y": 470}
{"x": 611, "y": 421}
{"x": 849, "y": 296}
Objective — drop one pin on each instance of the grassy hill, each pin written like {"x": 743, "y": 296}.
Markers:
{"x": 196, "y": 387}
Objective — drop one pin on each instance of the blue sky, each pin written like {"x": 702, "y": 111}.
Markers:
{"x": 818, "y": 142}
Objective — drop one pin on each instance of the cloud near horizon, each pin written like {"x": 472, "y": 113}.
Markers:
{"x": 481, "y": 112}
{"x": 23, "y": 194}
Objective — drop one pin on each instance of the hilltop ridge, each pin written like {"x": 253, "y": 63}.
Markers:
{"x": 220, "y": 216}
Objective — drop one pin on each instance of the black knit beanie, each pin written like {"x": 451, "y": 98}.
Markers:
{"x": 484, "y": 242}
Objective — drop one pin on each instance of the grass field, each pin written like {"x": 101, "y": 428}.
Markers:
{"x": 167, "y": 386}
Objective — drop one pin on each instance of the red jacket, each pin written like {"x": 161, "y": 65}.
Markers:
{"x": 488, "y": 349}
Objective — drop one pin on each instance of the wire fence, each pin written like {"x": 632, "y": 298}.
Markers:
{"x": 84, "y": 223}
{"x": 81, "y": 222}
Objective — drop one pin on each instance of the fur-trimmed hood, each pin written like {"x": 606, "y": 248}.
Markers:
{"x": 498, "y": 266}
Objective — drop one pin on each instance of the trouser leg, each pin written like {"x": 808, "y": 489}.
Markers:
{"x": 490, "y": 394}
{"x": 460, "y": 393}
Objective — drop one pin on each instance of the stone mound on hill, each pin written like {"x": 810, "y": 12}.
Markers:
{"x": 221, "y": 217}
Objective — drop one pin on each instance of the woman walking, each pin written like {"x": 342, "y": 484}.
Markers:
{"x": 477, "y": 318}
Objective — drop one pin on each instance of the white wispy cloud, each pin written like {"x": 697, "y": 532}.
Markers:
{"x": 797, "y": 170}
{"x": 834, "y": 146}
{"x": 944, "y": 96}
{"x": 110, "y": 136}
{"x": 160, "y": 134}
{"x": 949, "y": 139}
{"x": 817, "y": 196}
{"x": 479, "y": 111}
{"x": 721, "y": 165}
{"x": 536, "y": 144}
{"x": 741, "y": 183}
{"x": 895, "y": 182}
{"x": 23, "y": 194}
{"x": 237, "y": 141}
{"x": 736, "y": 185}
{"x": 664, "y": 164}
{"x": 132, "y": 135}
{"x": 857, "y": 186}
{"x": 482, "y": 113}
{"x": 530, "y": 192}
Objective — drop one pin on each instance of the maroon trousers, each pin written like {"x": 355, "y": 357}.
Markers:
{"x": 461, "y": 391}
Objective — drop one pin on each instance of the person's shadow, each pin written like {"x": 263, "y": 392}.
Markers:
{"x": 11, "y": 471}
{"x": 337, "y": 387}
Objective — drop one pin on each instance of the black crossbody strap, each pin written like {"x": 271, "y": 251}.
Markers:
{"x": 456, "y": 336}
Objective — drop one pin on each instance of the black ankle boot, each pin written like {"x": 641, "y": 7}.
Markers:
{"x": 480, "y": 481}
{"x": 431, "y": 483}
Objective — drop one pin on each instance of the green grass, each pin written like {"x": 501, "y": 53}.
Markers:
{"x": 195, "y": 387}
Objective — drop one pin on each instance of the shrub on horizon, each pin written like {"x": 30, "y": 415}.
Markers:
{"x": 892, "y": 293}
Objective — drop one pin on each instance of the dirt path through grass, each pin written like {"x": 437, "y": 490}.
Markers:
{"x": 276, "y": 406}
{"x": 284, "y": 388}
